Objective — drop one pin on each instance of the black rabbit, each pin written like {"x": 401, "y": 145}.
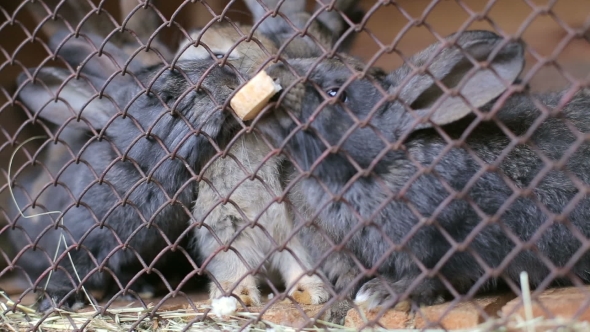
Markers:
{"x": 404, "y": 203}
{"x": 126, "y": 191}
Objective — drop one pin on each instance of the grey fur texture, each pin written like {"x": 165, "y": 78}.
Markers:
{"x": 387, "y": 197}
{"x": 237, "y": 203}
{"x": 125, "y": 194}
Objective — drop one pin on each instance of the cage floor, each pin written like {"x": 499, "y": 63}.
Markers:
{"x": 14, "y": 287}
{"x": 187, "y": 307}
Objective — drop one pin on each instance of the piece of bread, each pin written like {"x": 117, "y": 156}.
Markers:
{"x": 254, "y": 95}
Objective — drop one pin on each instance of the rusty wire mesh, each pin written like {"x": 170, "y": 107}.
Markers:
{"x": 138, "y": 184}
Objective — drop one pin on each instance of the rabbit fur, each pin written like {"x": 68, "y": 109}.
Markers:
{"x": 397, "y": 195}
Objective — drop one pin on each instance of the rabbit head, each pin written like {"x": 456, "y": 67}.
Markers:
{"x": 342, "y": 104}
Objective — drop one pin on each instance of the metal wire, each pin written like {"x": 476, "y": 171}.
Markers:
{"x": 163, "y": 192}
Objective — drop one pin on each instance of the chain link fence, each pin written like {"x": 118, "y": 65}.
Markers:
{"x": 419, "y": 154}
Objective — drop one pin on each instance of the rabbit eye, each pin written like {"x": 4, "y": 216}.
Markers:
{"x": 334, "y": 91}
{"x": 219, "y": 55}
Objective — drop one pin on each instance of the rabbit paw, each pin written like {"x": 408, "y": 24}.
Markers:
{"x": 48, "y": 302}
{"x": 246, "y": 291}
{"x": 310, "y": 290}
{"x": 375, "y": 293}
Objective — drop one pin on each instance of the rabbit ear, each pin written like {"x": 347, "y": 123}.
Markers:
{"x": 75, "y": 97}
{"x": 89, "y": 54}
{"x": 453, "y": 67}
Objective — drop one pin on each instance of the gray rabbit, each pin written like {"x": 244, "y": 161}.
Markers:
{"x": 400, "y": 197}
{"x": 125, "y": 197}
{"x": 251, "y": 221}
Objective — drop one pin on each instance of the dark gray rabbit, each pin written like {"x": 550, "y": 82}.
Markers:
{"x": 251, "y": 200}
{"x": 126, "y": 194}
{"x": 398, "y": 196}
